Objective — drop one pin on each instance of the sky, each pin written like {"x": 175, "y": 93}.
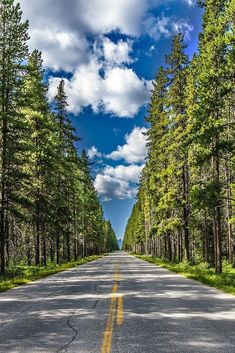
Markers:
{"x": 108, "y": 52}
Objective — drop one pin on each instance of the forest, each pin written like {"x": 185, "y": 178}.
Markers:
{"x": 184, "y": 209}
{"x": 49, "y": 209}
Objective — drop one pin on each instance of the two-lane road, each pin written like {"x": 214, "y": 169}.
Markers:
{"x": 117, "y": 304}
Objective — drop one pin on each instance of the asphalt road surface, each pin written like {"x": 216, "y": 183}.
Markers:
{"x": 117, "y": 304}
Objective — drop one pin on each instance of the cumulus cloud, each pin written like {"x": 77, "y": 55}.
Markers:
{"x": 74, "y": 38}
{"x": 127, "y": 173}
{"x": 118, "y": 182}
{"x": 94, "y": 16}
{"x": 60, "y": 31}
{"x": 93, "y": 152}
{"x": 119, "y": 92}
{"x": 71, "y": 24}
{"x": 134, "y": 150}
{"x": 121, "y": 181}
{"x": 110, "y": 188}
{"x": 117, "y": 53}
{"x": 124, "y": 92}
{"x": 61, "y": 49}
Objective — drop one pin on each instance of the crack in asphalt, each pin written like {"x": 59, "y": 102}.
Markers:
{"x": 94, "y": 306}
{"x": 96, "y": 290}
{"x": 64, "y": 348}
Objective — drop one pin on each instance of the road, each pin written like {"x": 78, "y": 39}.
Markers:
{"x": 117, "y": 304}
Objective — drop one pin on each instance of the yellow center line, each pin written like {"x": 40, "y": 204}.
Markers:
{"x": 116, "y": 276}
{"x": 108, "y": 333}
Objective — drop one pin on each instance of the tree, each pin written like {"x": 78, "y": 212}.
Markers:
{"x": 40, "y": 164}
{"x": 64, "y": 172}
{"x": 177, "y": 69}
{"x": 13, "y": 53}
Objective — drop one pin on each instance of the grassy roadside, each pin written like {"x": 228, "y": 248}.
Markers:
{"x": 200, "y": 272}
{"x": 18, "y": 275}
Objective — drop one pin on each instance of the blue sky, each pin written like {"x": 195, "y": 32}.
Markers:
{"x": 108, "y": 52}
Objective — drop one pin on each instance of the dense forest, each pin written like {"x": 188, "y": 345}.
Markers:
{"x": 49, "y": 209}
{"x": 186, "y": 198}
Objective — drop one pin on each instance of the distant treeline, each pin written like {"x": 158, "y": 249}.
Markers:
{"x": 49, "y": 208}
{"x": 186, "y": 198}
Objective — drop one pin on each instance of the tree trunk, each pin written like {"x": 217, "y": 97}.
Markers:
{"x": 217, "y": 215}
{"x": 68, "y": 248}
{"x": 44, "y": 251}
{"x": 169, "y": 249}
{"x": 58, "y": 249}
{"x": 230, "y": 253}
{"x": 206, "y": 242}
{"x": 185, "y": 178}
{"x": 2, "y": 242}
{"x": 37, "y": 245}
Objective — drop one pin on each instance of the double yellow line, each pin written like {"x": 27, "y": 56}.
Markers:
{"x": 116, "y": 307}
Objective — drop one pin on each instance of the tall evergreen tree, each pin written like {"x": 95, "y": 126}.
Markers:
{"x": 65, "y": 150}
{"x": 13, "y": 53}
{"x": 177, "y": 69}
{"x": 40, "y": 164}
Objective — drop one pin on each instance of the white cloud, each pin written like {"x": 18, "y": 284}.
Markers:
{"x": 61, "y": 50}
{"x": 93, "y": 16}
{"x": 129, "y": 173}
{"x": 110, "y": 188}
{"x": 134, "y": 150}
{"x": 117, "y": 53}
{"x": 124, "y": 92}
{"x": 72, "y": 36}
{"x": 120, "y": 92}
{"x": 59, "y": 28}
{"x": 93, "y": 152}
{"x": 118, "y": 182}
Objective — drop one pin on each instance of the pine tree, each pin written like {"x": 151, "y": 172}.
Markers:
{"x": 65, "y": 155}
{"x": 13, "y": 53}
{"x": 40, "y": 154}
{"x": 177, "y": 69}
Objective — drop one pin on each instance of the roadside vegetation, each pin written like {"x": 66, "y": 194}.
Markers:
{"x": 49, "y": 209}
{"x": 184, "y": 212}
{"x": 22, "y": 274}
{"x": 201, "y": 272}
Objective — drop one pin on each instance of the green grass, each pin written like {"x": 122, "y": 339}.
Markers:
{"x": 22, "y": 274}
{"x": 200, "y": 272}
